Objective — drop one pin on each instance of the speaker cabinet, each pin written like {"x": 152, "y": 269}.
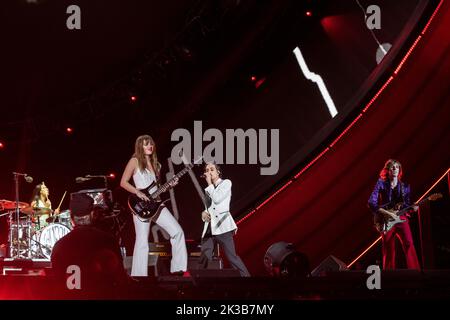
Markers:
{"x": 163, "y": 265}
{"x": 330, "y": 264}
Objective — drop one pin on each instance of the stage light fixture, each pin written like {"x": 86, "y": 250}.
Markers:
{"x": 284, "y": 261}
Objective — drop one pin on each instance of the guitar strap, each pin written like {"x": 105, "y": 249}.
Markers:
{"x": 400, "y": 192}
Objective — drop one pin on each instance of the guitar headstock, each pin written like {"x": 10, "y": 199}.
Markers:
{"x": 435, "y": 196}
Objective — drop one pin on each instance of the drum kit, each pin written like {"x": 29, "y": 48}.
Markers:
{"x": 33, "y": 231}
{"x": 36, "y": 231}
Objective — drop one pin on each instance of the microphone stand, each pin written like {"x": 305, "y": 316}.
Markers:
{"x": 16, "y": 183}
{"x": 17, "y": 209}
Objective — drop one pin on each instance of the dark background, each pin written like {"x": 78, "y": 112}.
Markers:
{"x": 184, "y": 61}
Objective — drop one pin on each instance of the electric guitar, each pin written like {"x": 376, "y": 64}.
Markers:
{"x": 384, "y": 223}
{"x": 146, "y": 210}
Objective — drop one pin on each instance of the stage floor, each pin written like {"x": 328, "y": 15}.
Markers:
{"x": 219, "y": 285}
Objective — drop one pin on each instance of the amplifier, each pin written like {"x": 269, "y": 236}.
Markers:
{"x": 103, "y": 198}
{"x": 160, "y": 254}
{"x": 164, "y": 249}
{"x": 163, "y": 265}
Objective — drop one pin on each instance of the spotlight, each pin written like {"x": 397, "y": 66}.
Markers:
{"x": 258, "y": 81}
{"x": 133, "y": 98}
{"x": 308, "y": 13}
{"x": 382, "y": 50}
{"x": 69, "y": 130}
{"x": 112, "y": 175}
{"x": 282, "y": 260}
{"x": 2, "y": 145}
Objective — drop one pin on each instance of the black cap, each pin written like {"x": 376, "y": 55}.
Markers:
{"x": 81, "y": 204}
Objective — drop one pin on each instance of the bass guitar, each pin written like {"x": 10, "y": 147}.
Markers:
{"x": 146, "y": 210}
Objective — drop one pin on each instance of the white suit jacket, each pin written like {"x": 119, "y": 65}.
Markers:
{"x": 219, "y": 209}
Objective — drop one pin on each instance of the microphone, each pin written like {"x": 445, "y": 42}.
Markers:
{"x": 97, "y": 176}
{"x": 81, "y": 179}
{"x": 24, "y": 175}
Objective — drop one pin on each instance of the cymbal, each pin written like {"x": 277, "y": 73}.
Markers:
{"x": 37, "y": 211}
{"x": 10, "y": 205}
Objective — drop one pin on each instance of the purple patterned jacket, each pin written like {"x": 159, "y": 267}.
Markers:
{"x": 382, "y": 195}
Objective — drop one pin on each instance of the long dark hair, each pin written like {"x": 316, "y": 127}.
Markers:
{"x": 140, "y": 156}
{"x": 36, "y": 194}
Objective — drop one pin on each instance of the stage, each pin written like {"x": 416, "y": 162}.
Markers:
{"x": 222, "y": 285}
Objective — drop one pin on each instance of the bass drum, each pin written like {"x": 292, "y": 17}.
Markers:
{"x": 49, "y": 236}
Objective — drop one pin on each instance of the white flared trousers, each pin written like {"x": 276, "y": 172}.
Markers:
{"x": 140, "y": 253}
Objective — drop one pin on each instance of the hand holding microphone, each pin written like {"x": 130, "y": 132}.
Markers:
{"x": 207, "y": 176}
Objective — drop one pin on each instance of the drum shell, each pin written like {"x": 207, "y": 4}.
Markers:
{"x": 48, "y": 236}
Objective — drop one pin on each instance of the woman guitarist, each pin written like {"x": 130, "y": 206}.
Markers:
{"x": 144, "y": 168}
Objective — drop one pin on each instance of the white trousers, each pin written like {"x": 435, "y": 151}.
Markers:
{"x": 140, "y": 253}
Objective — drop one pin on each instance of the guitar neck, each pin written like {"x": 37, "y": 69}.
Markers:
{"x": 418, "y": 203}
{"x": 166, "y": 186}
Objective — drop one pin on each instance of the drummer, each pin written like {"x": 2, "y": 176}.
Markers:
{"x": 40, "y": 199}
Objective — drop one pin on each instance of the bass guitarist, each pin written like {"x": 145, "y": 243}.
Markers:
{"x": 144, "y": 168}
{"x": 390, "y": 195}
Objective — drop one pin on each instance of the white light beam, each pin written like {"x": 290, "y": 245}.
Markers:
{"x": 318, "y": 80}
